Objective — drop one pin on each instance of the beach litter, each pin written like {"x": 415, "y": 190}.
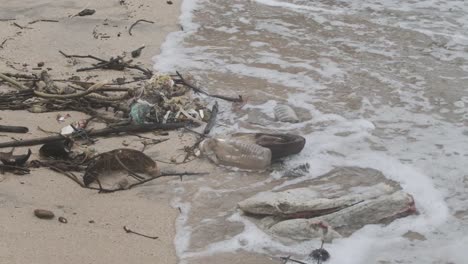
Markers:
{"x": 251, "y": 151}
{"x": 284, "y": 113}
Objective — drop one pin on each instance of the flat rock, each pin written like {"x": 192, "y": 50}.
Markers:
{"x": 44, "y": 214}
{"x": 340, "y": 202}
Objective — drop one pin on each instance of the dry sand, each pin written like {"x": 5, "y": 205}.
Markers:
{"x": 94, "y": 232}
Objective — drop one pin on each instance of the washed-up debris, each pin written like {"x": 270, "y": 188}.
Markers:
{"x": 14, "y": 129}
{"x": 136, "y": 22}
{"x": 44, "y": 214}
{"x": 129, "y": 160}
{"x": 57, "y": 149}
{"x": 320, "y": 254}
{"x": 136, "y": 53}
{"x": 97, "y": 133}
{"x": 212, "y": 120}
{"x": 236, "y": 153}
{"x": 298, "y": 171}
{"x": 74, "y": 127}
{"x": 140, "y": 112}
{"x": 9, "y": 159}
{"x": 61, "y": 118}
{"x": 344, "y": 200}
{"x": 285, "y": 113}
{"x": 281, "y": 145}
{"x": 127, "y": 230}
{"x": 251, "y": 151}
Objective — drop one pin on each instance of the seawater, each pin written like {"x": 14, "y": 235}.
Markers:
{"x": 377, "y": 83}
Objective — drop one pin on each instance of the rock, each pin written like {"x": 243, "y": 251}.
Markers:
{"x": 86, "y": 12}
{"x": 304, "y": 229}
{"x": 381, "y": 210}
{"x": 305, "y": 202}
{"x": 344, "y": 200}
{"x": 411, "y": 236}
{"x": 44, "y": 214}
{"x": 62, "y": 220}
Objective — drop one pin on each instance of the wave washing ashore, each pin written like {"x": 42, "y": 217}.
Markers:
{"x": 376, "y": 83}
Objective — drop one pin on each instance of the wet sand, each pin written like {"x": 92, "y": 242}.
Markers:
{"x": 94, "y": 232}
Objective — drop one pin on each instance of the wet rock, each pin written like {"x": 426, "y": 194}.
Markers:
{"x": 44, "y": 214}
{"x": 343, "y": 200}
{"x": 87, "y": 12}
{"x": 411, "y": 236}
{"x": 381, "y": 210}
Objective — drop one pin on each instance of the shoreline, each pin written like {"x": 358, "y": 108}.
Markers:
{"x": 94, "y": 232}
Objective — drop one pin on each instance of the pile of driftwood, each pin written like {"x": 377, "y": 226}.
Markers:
{"x": 153, "y": 102}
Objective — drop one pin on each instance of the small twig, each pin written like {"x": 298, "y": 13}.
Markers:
{"x": 82, "y": 56}
{"x": 11, "y": 167}
{"x": 212, "y": 120}
{"x": 199, "y": 90}
{"x": 17, "y": 25}
{"x": 136, "y": 233}
{"x": 138, "y": 21}
{"x": 42, "y": 20}
{"x": 90, "y": 90}
{"x": 153, "y": 142}
{"x": 288, "y": 258}
{"x": 132, "y": 173}
{"x": 3, "y": 43}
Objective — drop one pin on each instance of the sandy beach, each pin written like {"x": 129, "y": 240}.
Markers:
{"x": 94, "y": 232}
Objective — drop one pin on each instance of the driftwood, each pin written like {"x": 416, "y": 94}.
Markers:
{"x": 14, "y": 129}
{"x": 212, "y": 121}
{"x": 199, "y": 90}
{"x": 96, "y": 133}
{"x": 128, "y": 230}
{"x": 114, "y": 63}
{"x": 43, "y": 20}
{"x": 138, "y": 21}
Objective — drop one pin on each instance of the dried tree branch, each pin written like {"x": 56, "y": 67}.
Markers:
{"x": 199, "y": 90}
{"x": 138, "y": 21}
{"x": 140, "y": 234}
{"x": 96, "y": 133}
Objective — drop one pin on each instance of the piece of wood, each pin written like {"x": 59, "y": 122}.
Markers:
{"x": 138, "y": 21}
{"x": 14, "y": 129}
{"x": 212, "y": 121}
{"x": 97, "y": 133}
{"x": 199, "y": 90}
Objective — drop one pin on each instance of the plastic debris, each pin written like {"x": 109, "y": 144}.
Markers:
{"x": 285, "y": 113}
{"x": 140, "y": 111}
{"x": 236, "y": 153}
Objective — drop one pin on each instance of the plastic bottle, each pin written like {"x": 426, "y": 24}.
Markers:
{"x": 285, "y": 113}
{"x": 236, "y": 153}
